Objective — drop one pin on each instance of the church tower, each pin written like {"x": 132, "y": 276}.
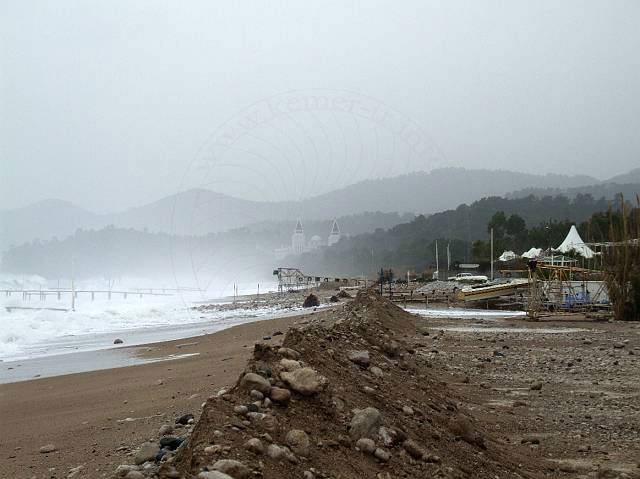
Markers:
{"x": 297, "y": 239}
{"x": 335, "y": 235}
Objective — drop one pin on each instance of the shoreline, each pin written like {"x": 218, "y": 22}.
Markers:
{"x": 176, "y": 321}
{"x": 97, "y": 352}
{"x": 95, "y": 418}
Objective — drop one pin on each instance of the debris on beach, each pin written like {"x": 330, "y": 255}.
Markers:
{"x": 311, "y": 301}
{"x": 345, "y": 396}
{"x": 284, "y": 301}
{"x": 48, "y": 448}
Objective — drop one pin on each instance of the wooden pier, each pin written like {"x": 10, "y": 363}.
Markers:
{"x": 43, "y": 294}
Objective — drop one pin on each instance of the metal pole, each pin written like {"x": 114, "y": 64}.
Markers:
{"x": 491, "y": 254}
{"x": 437, "y": 263}
{"x": 73, "y": 285}
{"x": 73, "y": 295}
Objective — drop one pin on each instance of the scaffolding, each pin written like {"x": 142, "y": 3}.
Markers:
{"x": 557, "y": 290}
{"x": 290, "y": 279}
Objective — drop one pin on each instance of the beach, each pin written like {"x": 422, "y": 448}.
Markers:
{"x": 96, "y": 418}
{"x": 499, "y": 371}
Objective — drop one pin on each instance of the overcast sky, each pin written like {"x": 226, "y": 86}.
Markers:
{"x": 113, "y": 104}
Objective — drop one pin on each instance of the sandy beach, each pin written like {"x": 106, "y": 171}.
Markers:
{"x": 94, "y": 419}
{"x": 484, "y": 368}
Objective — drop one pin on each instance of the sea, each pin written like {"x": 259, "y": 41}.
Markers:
{"x": 32, "y": 328}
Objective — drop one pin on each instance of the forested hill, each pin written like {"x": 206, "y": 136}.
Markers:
{"x": 397, "y": 242}
{"x": 410, "y": 245}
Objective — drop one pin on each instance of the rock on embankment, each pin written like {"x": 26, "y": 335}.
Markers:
{"x": 345, "y": 396}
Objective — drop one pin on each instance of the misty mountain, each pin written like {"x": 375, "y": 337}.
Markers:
{"x": 112, "y": 252}
{"x": 601, "y": 190}
{"x": 632, "y": 176}
{"x": 430, "y": 192}
{"x": 43, "y": 220}
{"x": 200, "y": 211}
{"x": 376, "y": 239}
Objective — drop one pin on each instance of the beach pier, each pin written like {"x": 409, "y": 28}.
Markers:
{"x": 60, "y": 294}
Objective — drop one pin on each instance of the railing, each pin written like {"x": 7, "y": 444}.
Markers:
{"x": 42, "y": 294}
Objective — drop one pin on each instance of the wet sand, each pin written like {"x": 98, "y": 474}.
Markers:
{"x": 95, "y": 352}
{"x": 95, "y": 419}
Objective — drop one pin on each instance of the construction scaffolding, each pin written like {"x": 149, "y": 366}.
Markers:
{"x": 289, "y": 279}
{"x": 557, "y": 290}
{"x": 292, "y": 279}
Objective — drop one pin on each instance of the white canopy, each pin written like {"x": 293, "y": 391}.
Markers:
{"x": 532, "y": 253}
{"x": 573, "y": 242}
{"x": 507, "y": 256}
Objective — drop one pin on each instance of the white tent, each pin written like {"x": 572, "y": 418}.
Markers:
{"x": 573, "y": 242}
{"x": 532, "y": 253}
{"x": 507, "y": 256}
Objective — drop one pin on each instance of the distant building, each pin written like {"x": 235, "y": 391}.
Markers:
{"x": 297, "y": 239}
{"x": 299, "y": 244}
{"x": 315, "y": 242}
{"x": 335, "y": 235}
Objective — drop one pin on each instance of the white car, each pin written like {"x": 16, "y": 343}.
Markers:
{"x": 469, "y": 278}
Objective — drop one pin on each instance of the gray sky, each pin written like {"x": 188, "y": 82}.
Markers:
{"x": 112, "y": 104}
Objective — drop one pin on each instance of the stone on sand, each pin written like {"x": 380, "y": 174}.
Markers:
{"x": 305, "y": 381}
{"x": 233, "y": 468}
{"x": 289, "y": 364}
{"x": 147, "y": 452}
{"x": 299, "y": 442}
{"x": 254, "y": 445}
{"x": 366, "y": 445}
{"x": 365, "y": 423}
{"x": 361, "y": 358}
{"x": 289, "y": 353}
{"x": 255, "y": 381}
{"x": 213, "y": 475}
{"x": 280, "y": 395}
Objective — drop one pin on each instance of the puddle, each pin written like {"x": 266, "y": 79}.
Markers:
{"x": 61, "y": 364}
{"x": 461, "y": 313}
{"x": 480, "y": 328}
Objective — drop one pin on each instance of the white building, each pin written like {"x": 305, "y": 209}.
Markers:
{"x": 297, "y": 239}
{"x": 299, "y": 244}
{"x": 335, "y": 235}
{"x": 315, "y": 242}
